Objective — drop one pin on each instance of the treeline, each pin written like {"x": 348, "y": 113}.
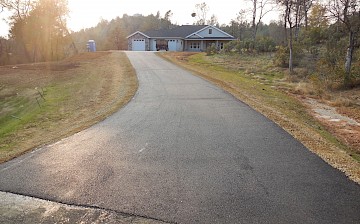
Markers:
{"x": 322, "y": 36}
{"x": 111, "y": 35}
{"x": 38, "y": 32}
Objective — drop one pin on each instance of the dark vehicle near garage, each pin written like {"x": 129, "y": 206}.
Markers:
{"x": 162, "y": 45}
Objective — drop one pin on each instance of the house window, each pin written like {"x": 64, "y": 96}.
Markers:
{"x": 195, "y": 45}
{"x": 221, "y": 46}
{"x": 210, "y": 31}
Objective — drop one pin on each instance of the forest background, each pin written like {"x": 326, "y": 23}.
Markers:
{"x": 322, "y": 36}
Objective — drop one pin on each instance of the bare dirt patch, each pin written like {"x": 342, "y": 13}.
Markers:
{"x": 44, "y": 102}
{"x": 340, "y": 121}
{"x": 337, "y": 110}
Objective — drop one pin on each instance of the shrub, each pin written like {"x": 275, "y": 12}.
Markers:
{"x": 282, "y": 55}
{"x": 330, "y": 66}
{"x": 281, "y": 58}
{"x": 211, "y": 50}
{"x": 314, "y": 51}
{"x": 230, "y": 46}
{"x": 265, "y": 44}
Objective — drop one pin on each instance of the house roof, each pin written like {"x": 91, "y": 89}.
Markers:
{"x": 137, "y": 32}
{"x": 183, "y": 32}
{"x": 179, "y": 31}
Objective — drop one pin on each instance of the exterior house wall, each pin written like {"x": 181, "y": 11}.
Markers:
{"x": 193, "y": 45}
{"x": 138, "y": 36}
{"x": 180, "y": 45}
{"x": 201, "y": 45}
{"x": 152, "y": 44}
{"x": 214, "y": 33}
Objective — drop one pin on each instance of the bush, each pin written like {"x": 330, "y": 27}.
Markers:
{"x": 265, "y": 44}
{"x": 281, "y": 58}
{"x": 211, "y": 50}
{"x": 314, "y": 51}
{"x": 282, "y": 55}
{"x": 330, "y": 66}
{"x": 230, "y": 46}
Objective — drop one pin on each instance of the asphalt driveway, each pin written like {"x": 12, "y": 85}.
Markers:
{"x": 185, "y": 151}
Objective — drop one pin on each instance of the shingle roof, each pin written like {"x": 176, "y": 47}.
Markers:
{"x": 179, "y": 31}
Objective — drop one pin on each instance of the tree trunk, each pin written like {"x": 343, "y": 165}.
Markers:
{"x": 254, "y": 20}
{"x": 285, "y": 30}
{"x": 291, "y": 67}
{"x": 306, "y": 16}
{"x": 348, "y": 59}
{"x": 1, "y": 49}
{"x": 63, "y": 26}
{"x": 297, "y": 19}
{"x": 73, "y": 44}
{"x": 297, "y": 31}
{"x": 26, "y": 52}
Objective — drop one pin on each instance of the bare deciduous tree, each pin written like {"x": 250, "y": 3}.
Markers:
{"x": 213, "y": 21}
{"x": 293, "y": 17}
{"x": 307, "y": 4}
{"x": 201, "y": 14}
{"x": 21, "y": 8}
{"x": 347, "y": 12}
{"x": 259, "y": 10}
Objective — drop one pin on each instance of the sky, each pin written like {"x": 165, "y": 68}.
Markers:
{"x": 86, "y": 13}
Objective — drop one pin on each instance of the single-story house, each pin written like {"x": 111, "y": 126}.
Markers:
{"x": 180, "y": 38}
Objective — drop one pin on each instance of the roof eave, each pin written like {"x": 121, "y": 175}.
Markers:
{"x": 223, "y": 32}
{"x": 210, "y": 38}
{"x": 166, "y": 37}
{"x": 136, "y": 33}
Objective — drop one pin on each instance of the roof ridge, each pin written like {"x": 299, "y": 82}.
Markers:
{"x": 182, "y": 31}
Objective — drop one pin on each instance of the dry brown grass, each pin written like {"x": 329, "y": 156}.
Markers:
{"x": 341, "y": 102}
{"x": 78, "y": 92}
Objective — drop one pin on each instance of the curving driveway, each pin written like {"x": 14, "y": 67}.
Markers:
{"x": 185, "y": 151}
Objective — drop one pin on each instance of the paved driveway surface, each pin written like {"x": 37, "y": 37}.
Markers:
{"x": 185, "y": 151}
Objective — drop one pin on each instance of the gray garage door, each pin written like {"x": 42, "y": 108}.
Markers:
{"x": 138, "y": 45}
{"x": 172, "y": 45}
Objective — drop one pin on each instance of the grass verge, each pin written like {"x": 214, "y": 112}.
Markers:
{"x": 259, "y": 84}
{"x": 42, "y": 103}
